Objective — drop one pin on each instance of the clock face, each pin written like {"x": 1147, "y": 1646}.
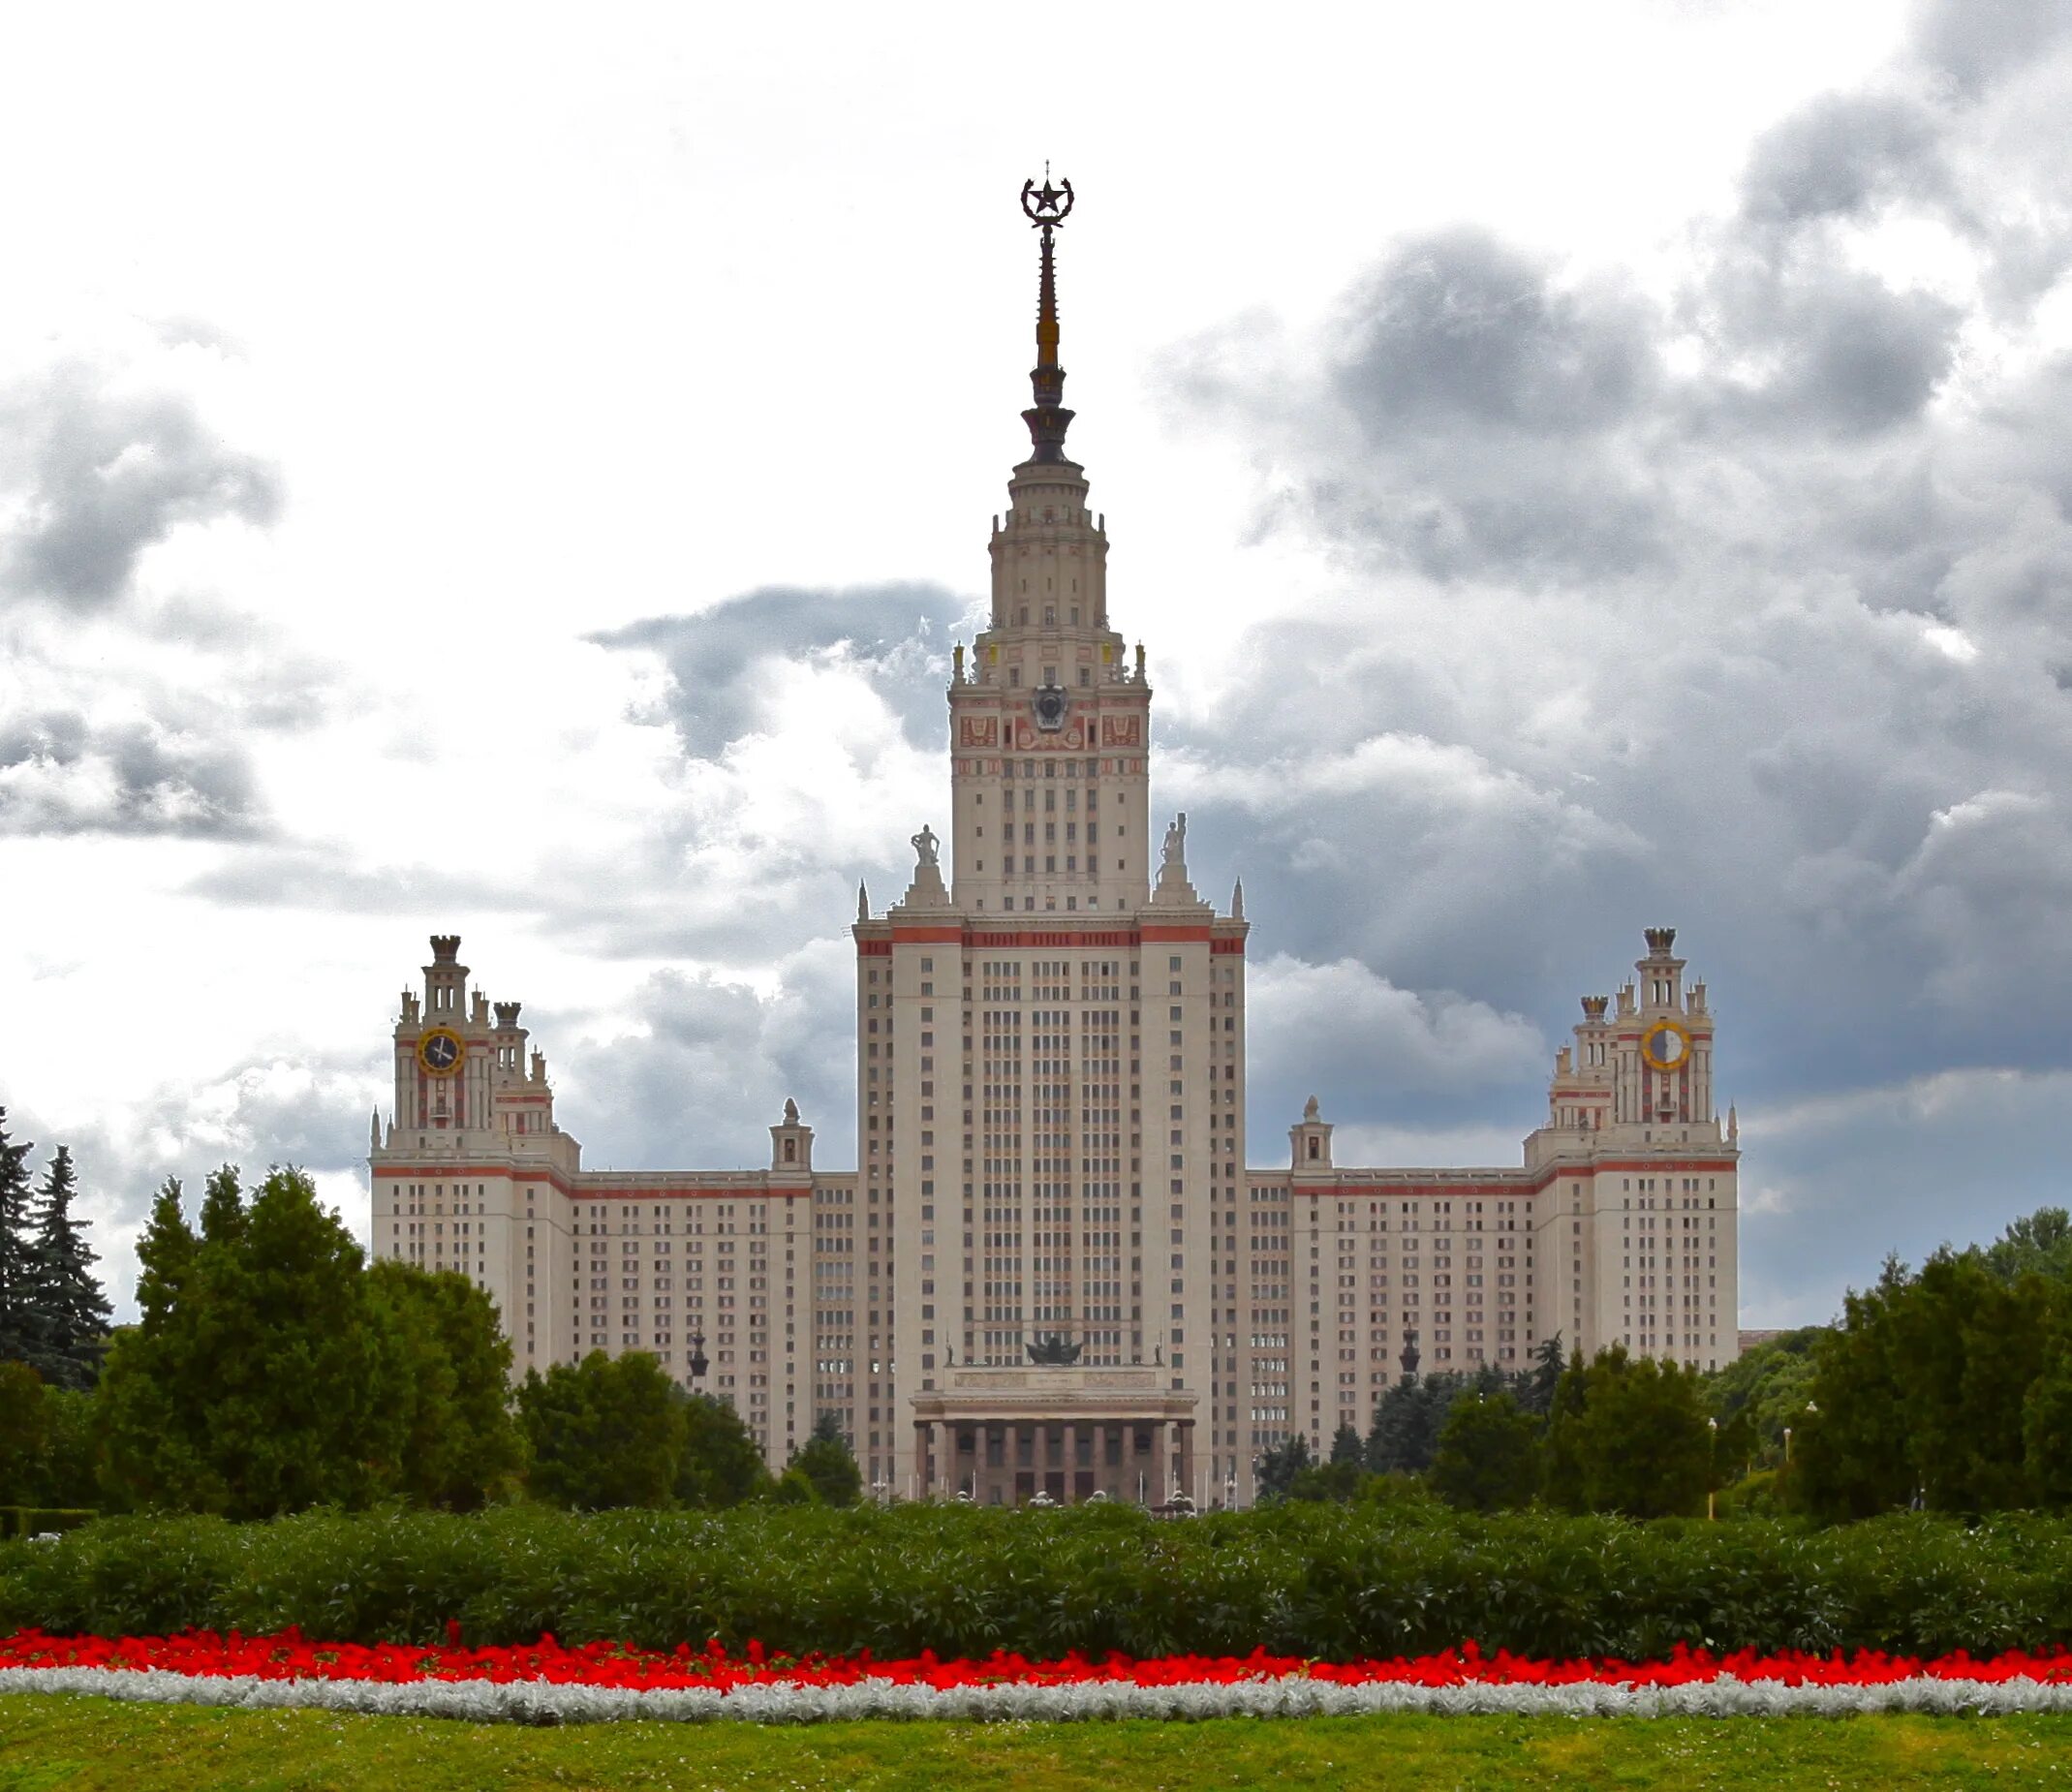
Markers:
{"x": 1049, "y": 708}
{"x": 440, "y": 1050}
{"x": 1665, "y": 1045}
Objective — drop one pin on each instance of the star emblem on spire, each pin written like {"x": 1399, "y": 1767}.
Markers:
{"x": 1047, "y": 204}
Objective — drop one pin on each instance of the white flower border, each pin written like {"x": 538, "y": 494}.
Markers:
{"x": 544, "y": 1702}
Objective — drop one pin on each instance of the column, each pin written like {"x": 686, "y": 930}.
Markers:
{"x": 945, "y": 1459}
{"x": 1070, "y": 1439}
{"x": 921, "y": 1458}
{"x": 1187, "y": 1458}
{"x": 1161, "y": 1486}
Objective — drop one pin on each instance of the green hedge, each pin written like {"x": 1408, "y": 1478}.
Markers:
{"x": 35, "y": 1521}
{"x": 1319, "y": 1581}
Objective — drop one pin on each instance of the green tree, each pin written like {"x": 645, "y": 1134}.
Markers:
{"x": 1277, "y": 1468}
{"x": 1347, "y": 1447}
{"x": 2047, "y": 1410}
{"x": 1563, "y": 1475}
{"x": 460, "y": 1443}
{"x": 24, "y": 1434}
{"x": 720, "y": 1464}
{"x": 829, "y": 1463}
{"x": 259, "y": 1379}
{"x": 605, "y": 1431}
{"x": 165, "y": 1254}
{"x": 1535, "y": 1385}
{"x": 223, "y": 1207}
{"x": 1762, "y": 1391}
{"x": 1338, "y": 1482}
{"x": 1488, "y": 1455}
{"x": 2039, "y": 1243}
{"x": 1629, "y": 1435}
{"x": 70, "y": 1314}
{"x": 18, "y": 1263}
{"x": 1850, "y": 1456}
{"x": 1405, "y": 1433}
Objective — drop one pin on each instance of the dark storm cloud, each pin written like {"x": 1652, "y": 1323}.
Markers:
{"x": 96, "y": 473}
{"x": 1457, "y": 329}
{"x": 61, "y": 773}
{"x": 1707, "y": 608}
{"x": 899, "y": 634}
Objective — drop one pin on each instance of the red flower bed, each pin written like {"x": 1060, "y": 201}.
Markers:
{"x": 288, "y": 1655}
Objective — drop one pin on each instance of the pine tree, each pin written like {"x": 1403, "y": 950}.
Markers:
{"x": 17, "y": 1251}
{"x": 70, "y": 1312}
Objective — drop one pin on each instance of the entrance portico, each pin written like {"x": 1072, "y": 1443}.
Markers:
{"x": 1004, "y": 1434}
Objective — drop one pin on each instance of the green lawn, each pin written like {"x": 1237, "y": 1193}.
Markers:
{"x": 49, "y": 1743}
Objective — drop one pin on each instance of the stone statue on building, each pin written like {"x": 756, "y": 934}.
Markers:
{"x": 1175, "y": 858}
{"x": 924, "y": 846}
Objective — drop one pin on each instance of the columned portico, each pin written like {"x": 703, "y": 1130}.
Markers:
{"x": 1002, "y": 1435}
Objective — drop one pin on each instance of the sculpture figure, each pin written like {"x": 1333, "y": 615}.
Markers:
{"x": 924, "y": 846}
{"x": 1176, "y": 842}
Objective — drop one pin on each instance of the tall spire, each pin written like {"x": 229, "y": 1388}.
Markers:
{"x": 1046, "y": 207}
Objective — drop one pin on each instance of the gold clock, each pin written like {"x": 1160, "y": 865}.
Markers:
{"x": 1665, "y": 1046}
{"x": 439, "y": 1050}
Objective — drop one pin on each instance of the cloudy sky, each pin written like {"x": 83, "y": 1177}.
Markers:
{"x": 1572, "y": 468}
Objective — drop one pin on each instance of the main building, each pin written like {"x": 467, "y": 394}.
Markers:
{"x": 1051, "y": 1269}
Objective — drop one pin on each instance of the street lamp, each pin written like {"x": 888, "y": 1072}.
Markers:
{"x": 1712, "y": 1491}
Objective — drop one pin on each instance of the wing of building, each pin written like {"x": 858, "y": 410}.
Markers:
{"x": 1051, "y": 1270}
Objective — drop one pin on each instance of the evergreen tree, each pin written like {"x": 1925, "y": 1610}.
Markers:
{"x": 1347, "y": 1447}
{"x": 1280, "y": 1466}
{"x": 829, "y": 1463}
{"x": 17, "y": 1261}
{"x": 1404, "y": 1435}
{"x": 70, "y": 1312}
{"x": 1488, "y": 1455}
{"x": 1536, "y": 1386}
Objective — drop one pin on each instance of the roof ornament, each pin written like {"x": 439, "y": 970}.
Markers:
{"x": 1046, "y": 207}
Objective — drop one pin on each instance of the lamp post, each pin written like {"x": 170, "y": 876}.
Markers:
{"x": 1712, "y": 1474}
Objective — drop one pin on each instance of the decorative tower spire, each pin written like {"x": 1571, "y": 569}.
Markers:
{"x": 1046, "y": 207}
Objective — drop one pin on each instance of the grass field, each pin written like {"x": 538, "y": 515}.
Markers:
{"x": 68, "y": 1745}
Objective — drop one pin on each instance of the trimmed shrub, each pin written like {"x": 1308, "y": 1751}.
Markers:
{"x": 1325, "y": 1581}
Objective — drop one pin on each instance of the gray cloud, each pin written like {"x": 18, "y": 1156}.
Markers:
{"x": 1842, "y": 155}
{"x": 699, "y": 1069}
{"x": 63, "y": 773}
{"x": 898, "y": 635}
{"x": 97, "y": 474}
{"x": 1976, "y": 44}
{"x": 1745, "y": 611}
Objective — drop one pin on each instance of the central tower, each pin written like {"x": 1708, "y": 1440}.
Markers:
{"x": 1050, "y": 1055}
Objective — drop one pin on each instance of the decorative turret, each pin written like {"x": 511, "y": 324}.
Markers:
{"x": 791, "y": 1143}
{"x": 1309, "y": 1142}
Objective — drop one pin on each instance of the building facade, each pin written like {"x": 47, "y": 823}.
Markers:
{"x": 1051, "y": 1270}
